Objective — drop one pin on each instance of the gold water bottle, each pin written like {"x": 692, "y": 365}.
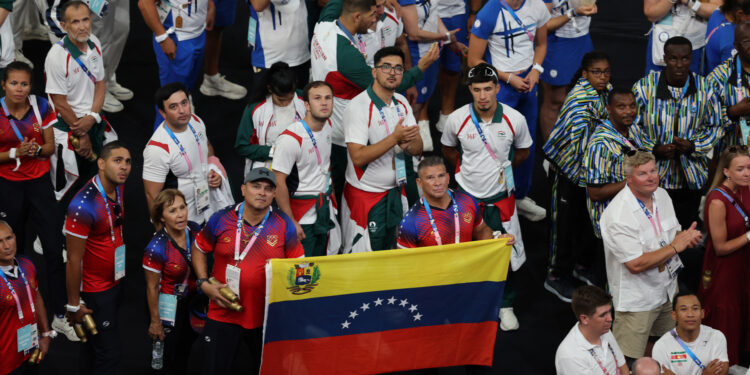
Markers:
{"x": 227, "y": 293}
{"x": 80, "y": 332}
{"x": 88, "y": 322}
{"x": 36, "y": 356}
{"x": 76, "y": 143}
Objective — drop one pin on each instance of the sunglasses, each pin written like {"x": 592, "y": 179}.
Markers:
{"x": 484, "y": 71}
{"x": 631, "y": 151}
{"x": 737, "y": 148}
{"x": 118, "y": 215}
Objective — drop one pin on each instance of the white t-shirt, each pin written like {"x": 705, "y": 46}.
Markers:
{"x": 450, "y": 8}
{"x": 509, "y": 47}
{"x": 573, "y": 356}
{"x": 294, "y": 147}
{"x": 571, "y": 29}
{"x": 365, "y": 126}
{"x": 280, "y": 36}
{"x": 427, "y": 19}
{"x": 162, "y": 156}
{"x": 7, "y": 44}
{"x": 478, "y": 173}
{"x": 710, "y": 344}
{"x": 387, "y": 30}
{"x": 192, "y": 14}
{"x": 628, "y": 234}
{"x": 66, "y": 77}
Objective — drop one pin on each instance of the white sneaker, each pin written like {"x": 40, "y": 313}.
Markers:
{"x": 530, "y": 210}
{"x": 218, "y": 85}
{"x": 38, "y": 246}
{"x": 62, "y": 326}
{"x": 111, "y": 104}
{"x": 119, "y": 92}
{"x": 441, "y": 122}
{"x": 20, "y": 57}
{"x": 424, "y": 132}
{"x": 508, "y": 320}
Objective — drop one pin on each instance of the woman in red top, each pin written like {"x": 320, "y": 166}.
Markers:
{"x": 724, "y": 282}
{"x": 26, "y": 142}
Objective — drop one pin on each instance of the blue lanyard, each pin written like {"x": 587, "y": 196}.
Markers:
{"x": 736, "y": 206}
{"x": 12, "y": 122}
{"x": 687, "y": 350}
{"x": 314, "y": 142}
{"x": 80, "y": 63}
{"x": 237, "y": 256}
{"x": 15, "y": 295}
{"x": 457, "y": 229}
{"x": 99, "y": 187}
{"x": 382, "y": 115}
{"x": 481, "y": 134}
{"x": 513, "y": 14}
{"x": 351, "y": 37}
{"x": 182, "y": 149}
{"x": 739, "y": 80}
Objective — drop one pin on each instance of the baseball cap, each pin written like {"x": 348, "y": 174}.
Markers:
{"x": 260, "y": 174}
{"x": 286, "y": 6}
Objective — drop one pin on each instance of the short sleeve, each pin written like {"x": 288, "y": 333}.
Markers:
{"x": 100, "y": 60}
{"x": 486, "y": 19}
{"x": 719, "y": 346}
{"x": 544, "y": 14}
{"x": 49, "y": 117}
{"x": 55, "y": 72}
{"x": 407, "y": 231}
{"x": 357, "y": 129}
{"x": 206, "y": 238}
{"x": 522, "y": 139}
{"x": 619, "y": 356}
{"x": 292, "y": 245}
{"x": 80, "y": 218}
{"x": 288, "y": 151}
{"x": 478, "y": 219}
{"x": 155, "y": 161}
{"x": 153, "y": 257}
{"x": 621, "y": 240}
{"x": 450, "y": 136}
{"x": 660, "y": 352}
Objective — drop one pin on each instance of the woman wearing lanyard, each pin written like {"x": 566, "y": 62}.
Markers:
{"x": 170, "y": 282}
{"x": 267, "y": 117}
{"x": 724, "y": 280}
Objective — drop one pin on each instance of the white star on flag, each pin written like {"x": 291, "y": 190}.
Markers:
{"x": 403, "y": 302}
{"x": 413, "y": 308}
{"x": 345, "y": 324}
{"x": 417, "y": 317}
{"x": 391, "y": 300}
{"x": 353, "y": 314}
{"x": 378, "y": 302}
{"x": 365, "y": 306}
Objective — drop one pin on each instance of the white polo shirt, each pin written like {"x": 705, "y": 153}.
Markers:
{"x": 163, "y": 162}
{"x": 477, "y": 172}
{"x": 66, "y": 77}
{"x": 628, "y": 234}
{"x": 427, "y": 19}
{"x": 192, "y": 14}
{"x": 450, "y": 8}
{"x": 295, "y": 148}
{"x": 574, "y": 355}
{"x": 387, "y": 30}
{"x": 710, "y": 344}
{"x": 365, "y": 126}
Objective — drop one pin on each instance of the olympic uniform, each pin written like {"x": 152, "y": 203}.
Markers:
{"x": 373, "y": 204}
{"x": 709, "y": 345}
{"x": 427, "y": 19}
{"x": 260, "y": 125}
{"x": 730, "y": 84}
{"x": 510, "y": 48}
{"x": 305, "y": 156}
{"x": 164, "y": 162}
{"x": 566, "y": 46}
{"x": 453, "y": 14}
{"x": 416, "y": 228}
{"x": 18, "y": 287}
{"x": 185, "y": 22}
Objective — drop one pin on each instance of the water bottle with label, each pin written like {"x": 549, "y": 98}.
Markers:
{"x": 157, "y": 355}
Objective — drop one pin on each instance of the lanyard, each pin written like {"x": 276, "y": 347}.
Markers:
{"x": 188, "y": 256}
{"x": 687, "y": 350}
{"x": 237, "y": 256}
{"x": 513, "y": 14}
{"x": 601, "y": 365}
{"x": 739, "y": 80}
{"x": 12, "y": 122}
{"x": 80, "y": 63}
{"x": 650, "y": 218}
{"x": 456, "y": 228}
{"x": 15, "y": 295}
{"x": 736, "y": 206}
{"x": 182, "y": 149}
{"x": 351, "y": 38}
{"x": 314, "y": 142}
{"x": 99, "y": 187}
{"x": 481, "y": 134}
{"x": 382, "y": 115}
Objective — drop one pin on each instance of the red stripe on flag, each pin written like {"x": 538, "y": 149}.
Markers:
{"x": 387, "y": 351}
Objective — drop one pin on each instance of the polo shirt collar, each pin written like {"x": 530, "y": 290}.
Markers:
{"x": 74, "y": 51}
{"x": 662, "y": 89}
{"x": 583, "y": 343}
{"x": 376, "y": 99}
{"x": 497, "y": 117}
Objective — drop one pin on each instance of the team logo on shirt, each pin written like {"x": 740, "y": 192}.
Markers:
{"x": 303, "y": 278}
{"x": 501, "y": 134}
{"x": 272, "y": 239}
{"x": 226, "y": 239}
{"x": 467, "y": 217}
{"x": 9, "y": 297}
{"x": 37, "y": 128}
{"x": 678, "y": 357}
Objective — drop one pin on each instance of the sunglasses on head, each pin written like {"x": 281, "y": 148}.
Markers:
{"x": 737, "y": 148}
{"x": 632, "y": 151}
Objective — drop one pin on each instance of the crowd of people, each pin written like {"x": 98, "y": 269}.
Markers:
{"x": 648, "y": 181}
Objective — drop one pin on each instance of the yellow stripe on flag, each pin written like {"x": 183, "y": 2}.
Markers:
{"x": 297, "y": 279}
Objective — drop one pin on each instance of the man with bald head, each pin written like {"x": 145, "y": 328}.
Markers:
{"x": 732, "y": 91}
{"x": 646, "y": 366}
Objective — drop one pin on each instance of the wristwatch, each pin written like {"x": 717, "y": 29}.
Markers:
{"x": 199, "y": 282}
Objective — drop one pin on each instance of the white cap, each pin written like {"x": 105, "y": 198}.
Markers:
{"x": 286, "y": 6}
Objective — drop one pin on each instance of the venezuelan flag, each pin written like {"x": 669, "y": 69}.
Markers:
{"x": 384, "y": 311}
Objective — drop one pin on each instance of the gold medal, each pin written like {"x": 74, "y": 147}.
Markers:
{"x": 178, "y": 22}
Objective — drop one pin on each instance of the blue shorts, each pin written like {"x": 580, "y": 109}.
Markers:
{"x": 448, "y": 59}
{"x": 426, "y": 86}
{"x": 225, "y": 10}
{"x": 563, "y": 58}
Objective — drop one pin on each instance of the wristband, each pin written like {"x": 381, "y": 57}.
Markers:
{"x": 696, "y": 6}
{"x": 673, "y": 1}
{"x": 73, "y": 309}
{"x": 51, "y": 334}
{"x": 270, "y": 152}
{"x": 163, "y": 37}
{"x": 447, "y": 37}
{"x": 507, "y": 81}
{"x": 12, "y": 153}
{"x": 673, "y": 248}
{"x": 569, "y": 14}
{"x": 96, "y": 116}
{"x": 538, "y": 68}
{"x": 747, "y": 234}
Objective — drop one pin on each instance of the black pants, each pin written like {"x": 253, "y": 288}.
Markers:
{"x": 221, "y": 341}
{"x": 35, "y": 200}
{"x": 25, "y": 368}
{"x": 339, "y": 157}
{"x": 258, "y": 84}
{"x": 572, "y": 239}
{"x": 686, "y": 202}
{"x": 178, "y": 341}
{"x": 101, "y": 354}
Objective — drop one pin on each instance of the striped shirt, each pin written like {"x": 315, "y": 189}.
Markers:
{"x": 723, "y": 81}
{"x": 665, "y": 112}
{"x": 603, "y": 164}
{"x": 582, "y": 109}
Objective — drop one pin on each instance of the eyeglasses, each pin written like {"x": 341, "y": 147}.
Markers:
{"x": 599, "y": 73}
{"x": 632, "y": 151}
{"x": 118, "y": 215}
{"x": 737, "y": 148}
{"x": 485, "y": 71}
{"x": 388, "y": 68}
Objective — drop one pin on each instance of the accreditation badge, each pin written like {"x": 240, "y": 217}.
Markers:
{"x": 167, "y": 308}
{"x": 674, "y": 266}
{"x": 27, "y": 337}
{"x": 120, "y": 262}
{"x": 233, "y": 278}
{"x": 202, "y": 198}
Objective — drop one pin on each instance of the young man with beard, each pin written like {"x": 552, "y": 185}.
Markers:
{"x": 303, "y": 157}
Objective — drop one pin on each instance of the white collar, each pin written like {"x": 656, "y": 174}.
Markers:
{"x": 11, "y": 270}
{"x": 585, "y": 344}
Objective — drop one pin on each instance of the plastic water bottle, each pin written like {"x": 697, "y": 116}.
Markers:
{"x": 157, "y": 355}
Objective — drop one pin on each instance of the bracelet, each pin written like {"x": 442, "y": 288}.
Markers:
{"x": 696, "y": 6}
{"x": 51, "y": 334}
{"x": 96, "y": 116}
{"x": 447, "y": 37}
{"x": 507, "y": 81}
{"x": 163, "y": 37}
{"x": 12, "y": 153}
{"x": 673, "y": 248}
{"x": 569, "y": 14}
{"x": 73, "y": 309}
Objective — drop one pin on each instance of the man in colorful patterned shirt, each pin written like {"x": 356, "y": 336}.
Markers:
{"x": 241, "y": 238}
